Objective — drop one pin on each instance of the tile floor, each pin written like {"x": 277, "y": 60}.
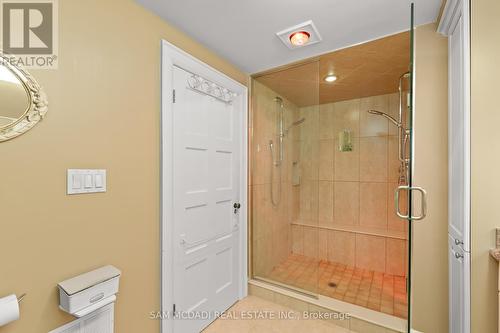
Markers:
{"x": 270, "y": 325}
{"x": 374, "y": 290}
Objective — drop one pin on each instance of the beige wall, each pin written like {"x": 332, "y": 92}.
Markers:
{"x": 430, "y": 252}
{"x": 104, "y": 113}
{"x": 485, "y": 147}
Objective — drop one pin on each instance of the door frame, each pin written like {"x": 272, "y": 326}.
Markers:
{"x": 173, "y": 56}
{"x": 452, "y": 12}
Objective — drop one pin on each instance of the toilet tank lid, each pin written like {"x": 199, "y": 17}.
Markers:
{"x": 89, "y": 279}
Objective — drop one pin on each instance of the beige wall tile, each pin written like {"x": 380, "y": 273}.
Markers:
{"x": 297, "y": 239}
{"x": 394, "y": 112}
{"x": 326, "y": 121}
{"x": 396, "y": 257}
{"x": 346, "y": 117}
{"x": 393, "y": 221}
{"x": 326, "y": 155}
{"x": 330, "y": 193}
{"x": 341, "y": 247}
{"x": 280, "y": 244}
{"x": 261, "y": 173}
{"x": 263, "y": 264}
{"x": 311, "y": 242}
{"x": 309, "y": 159}
{"x": 323, "y": 244}
{"x": 309, "y": 202}
{"x": 347, "y": 162}
{"x": 392, "y": 159}
{"x": 293, "y": 150}
{"x": 261, "y": 211}
{"x": 309, "y": 130}
{"x": 373, "y": 205}
{"x": 373, "y": 159}
{"x": 325, "y": 200}
{"x": 370, "y": 252}
{"x": 295, "y": 203}
{"x": 372, "y": 125}
{"x": 346, "y": 204}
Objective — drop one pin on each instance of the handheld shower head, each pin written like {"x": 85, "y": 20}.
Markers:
{"x": 295, "y": 123}
{"x": 385, "y": 115}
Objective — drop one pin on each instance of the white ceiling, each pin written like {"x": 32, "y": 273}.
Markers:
{"x": 244, "y": 31}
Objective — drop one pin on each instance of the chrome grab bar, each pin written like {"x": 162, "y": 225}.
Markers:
{"x": 423, "y": 213}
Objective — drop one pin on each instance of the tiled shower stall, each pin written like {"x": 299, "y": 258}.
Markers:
{"x": 334, "y": 230}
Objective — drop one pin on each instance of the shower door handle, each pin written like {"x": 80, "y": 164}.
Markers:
{"x": 423, "y": 212}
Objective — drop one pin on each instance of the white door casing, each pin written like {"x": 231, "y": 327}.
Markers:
{"x": 203, "y": 175}
{"x": 459, "y": 136}
{"x": 455, "y": 24}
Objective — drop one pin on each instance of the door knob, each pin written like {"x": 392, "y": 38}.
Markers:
{"x": 236, "y": 207}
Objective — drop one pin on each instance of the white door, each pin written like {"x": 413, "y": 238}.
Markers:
{"x": 206, "y": 180}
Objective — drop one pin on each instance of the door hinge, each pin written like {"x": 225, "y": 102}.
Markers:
{"x": 173, "y": 96}
{"x": 173, "y": 310}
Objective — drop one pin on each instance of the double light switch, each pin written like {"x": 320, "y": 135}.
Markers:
{"x": 86, "y": 181}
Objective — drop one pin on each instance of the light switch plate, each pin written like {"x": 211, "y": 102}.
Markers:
{"x": 80, "y": 181}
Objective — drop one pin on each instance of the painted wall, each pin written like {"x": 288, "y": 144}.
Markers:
{"x": 485, "y": 145}
{"x": 104, "y": 113}
{"x": 430, "y": 251}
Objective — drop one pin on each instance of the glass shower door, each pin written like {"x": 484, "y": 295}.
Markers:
{"x": 410, "y": 200}
{"x": 284, "y": 177}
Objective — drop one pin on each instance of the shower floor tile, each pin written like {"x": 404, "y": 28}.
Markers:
{"x": 374, "y": 290}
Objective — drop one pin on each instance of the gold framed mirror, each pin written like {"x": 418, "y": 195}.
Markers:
{"x": 22, "y": 101}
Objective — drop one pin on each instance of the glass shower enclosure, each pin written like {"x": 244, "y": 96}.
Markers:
{"x": 330, "y": 176}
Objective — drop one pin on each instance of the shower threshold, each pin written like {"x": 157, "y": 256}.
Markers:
{"x": 370, "y": 317}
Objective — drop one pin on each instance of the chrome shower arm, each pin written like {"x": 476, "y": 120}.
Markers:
{"x": 383, "y": 114}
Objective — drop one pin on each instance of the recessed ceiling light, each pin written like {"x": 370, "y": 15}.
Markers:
{"x": 330, "y": 78}
{"x": 300, "y": 35}
{"x": 299, "y": 38}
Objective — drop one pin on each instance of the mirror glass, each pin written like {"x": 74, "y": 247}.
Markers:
{"x": 14, "y": 97}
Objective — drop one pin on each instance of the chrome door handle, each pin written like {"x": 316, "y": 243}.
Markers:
{"x": 423, "y": 203}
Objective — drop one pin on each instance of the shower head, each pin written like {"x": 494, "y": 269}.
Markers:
{"x": 295, "y": 123}
{"x": 298, "y": 122}
{"x": 383, "y": 114}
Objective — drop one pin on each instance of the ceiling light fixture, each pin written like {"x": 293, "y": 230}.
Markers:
{"x": 330, "y": 78}
{"x": 299, "y": 38}
{"x": 300, "y": 35}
